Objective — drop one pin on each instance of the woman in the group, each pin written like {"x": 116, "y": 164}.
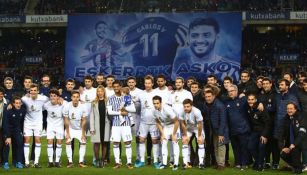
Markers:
{"x": 100, "y": 126}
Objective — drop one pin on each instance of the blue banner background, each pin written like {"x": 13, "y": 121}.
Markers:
{"x": 138, "y": 44}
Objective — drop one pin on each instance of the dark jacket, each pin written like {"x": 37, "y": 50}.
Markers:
{"x": 198, "y": 100}
{"x": 44, "y": 91}
{"x": 302, "y": 98}
{"x": 8, "y": 94}
{"x": 237, "y": 116}
{"x": 268, "y": 101}
{"x": 299, "y": 122}
{"x": 13, "y": 121}
{"x": 259, "y": 121}
{"x": 66, "y": 95}
{"x": 281, "y": 109}
{"x": 247, "y": 88}
{"x": 217, "y": 115}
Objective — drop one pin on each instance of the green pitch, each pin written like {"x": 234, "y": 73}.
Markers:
{"x": 108, "y": 170}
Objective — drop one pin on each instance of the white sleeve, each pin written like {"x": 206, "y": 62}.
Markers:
{"x": 198, "y": 115}
{"x": 131, "y": 107}
{"x": 111, "y": 112}
{"x": 190, "y": 96}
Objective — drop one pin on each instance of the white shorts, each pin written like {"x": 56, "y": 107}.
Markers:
{"x": 29, "y": 130}
{"x": 195, "y": 130}
{"x": 121, "y": 132}
{"x": 57, "y": 132}
{"x": 168, "y": 132}
{"x": 144, "y": 129}
{"x": 136, "y": 127}
{"x": 76, "y": 134}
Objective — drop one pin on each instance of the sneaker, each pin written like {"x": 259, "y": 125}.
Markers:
{"x": 238, "y": 166}
{"x": 96, "y": 163}
{"x": 19, "y": 165}
{"x": 304, "y": 169}
{"x": 267, "y": 166}
{"x": 82, "y": 165}
{"x": 227, "y": 164}
{"x": 275, "y": 166}
{"x": 37, "y": 165}
{"x": 201, "y": 166}
{"x": 297, "y": 171}
{"x": 175, "y": 167}
{"x": 70, "y": 165}
{"x": 129, "y": 166}
{"x": 50, "y": 165}
{"x": 156, "y": 165}
{"x": 220, "y": 167}
{"x": 57, "y": 165}
{"x": 27, "y": 165}
{"x": 171, "y": 164}
{"x": 117, "y": 166}
{"x": 139, "y": 164}
{"x": 148, "y": 160}
{"x": 187, "y": 166}
{"x": 244, "y": 168}
{"x": 260, "y": 169}
{"x": 162, "y": 167}
{"x": 6, "y": 166}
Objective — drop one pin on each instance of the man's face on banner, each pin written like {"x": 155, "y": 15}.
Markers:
{"x": 202, "y": 39}
{"x": 101, "y": 31}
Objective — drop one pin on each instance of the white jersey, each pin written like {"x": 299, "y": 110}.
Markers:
{"x": 34, "y": 115}
{"x": 109, "y": 92}
{"x": 164, "y": 94}
{"x": 191, "y": 118}
{"x": 55, "y": 114}
{"x": 88, "y": 96}
{"x": 75, "y": 114}
{"x": 166, "y": 115}
{"x": 176, "y": 99}
{"x": 147, "y": 107}
{"x": 135, "y": 95}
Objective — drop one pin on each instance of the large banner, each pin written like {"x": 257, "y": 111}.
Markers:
{"x": 137, "y": 44}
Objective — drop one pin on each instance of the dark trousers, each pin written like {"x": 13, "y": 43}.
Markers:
{"x": 256, "y": 148}
{"x": 45, "y": 120}
{"x": 293, "y": 158}
{"x": 1, "y": 146}
{"x": 227, "y": 153}
{"x": 275, "y": 151}
{"x": 17, "y": 140}
{"x": 268, "y": 151}
{"x": 193, "y": 155}
{"x": 148, "y": 145}
{"x": 210, "y": 156}
{"x": 239, "y": 146}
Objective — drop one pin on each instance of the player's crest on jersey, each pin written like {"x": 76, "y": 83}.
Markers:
{"x": 86, "y": 98}
{"x": 73, "y": 116}
{"x": 146, "y": 104}
{"x": 32, "y": 108}
{"x": 176, "y": 99}
{"x": 53, "y": 115}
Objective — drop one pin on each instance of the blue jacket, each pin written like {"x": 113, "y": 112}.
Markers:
{"x": 237, "y": 116}
{"x": 13, "y": 121}
{"x": 217, "y": 115}
{"x": 66, "y": 95}
{"x": 44, "y": 91}
{"x": 281, "y": 109}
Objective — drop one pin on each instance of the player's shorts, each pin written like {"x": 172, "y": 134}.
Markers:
{"x": 30, "y": 130}
{"x": 135, "y": 128}
{"x": 76, "y": 134}
{"x": 119, "y": 133}
{"x": 195, "y": 130}
{"x": 144, "y": 129}
{"x": 168, "y": 132}
{"x": 55, "y": 132}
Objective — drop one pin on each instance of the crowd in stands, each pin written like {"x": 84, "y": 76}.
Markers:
{"x": 115, "y": 6}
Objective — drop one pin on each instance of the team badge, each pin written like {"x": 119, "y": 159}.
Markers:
{"x": 53, "y": 115}
{"x": 146, "y": 104}
{"x": 73, "y": 116}
{"x": 14, "y": 115}
{"x": 176, "y": 99}
{"x": 32, "y": 108}
{"x": 270, "y": 100}
{"x": 256, "y": 117}
{"x": 87, "y": 99}
{"x": 238, "y": 104}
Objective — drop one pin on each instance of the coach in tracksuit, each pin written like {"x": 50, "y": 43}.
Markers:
{"x": 267, "y": 99}
{"x": 236, "y": 109}
{"x": 260, "y": 129}
{"x": 12, "y": 128}
{"x": 293, "y": 137}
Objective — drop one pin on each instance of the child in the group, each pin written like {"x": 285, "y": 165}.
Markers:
{"x": 127, "y": 101}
